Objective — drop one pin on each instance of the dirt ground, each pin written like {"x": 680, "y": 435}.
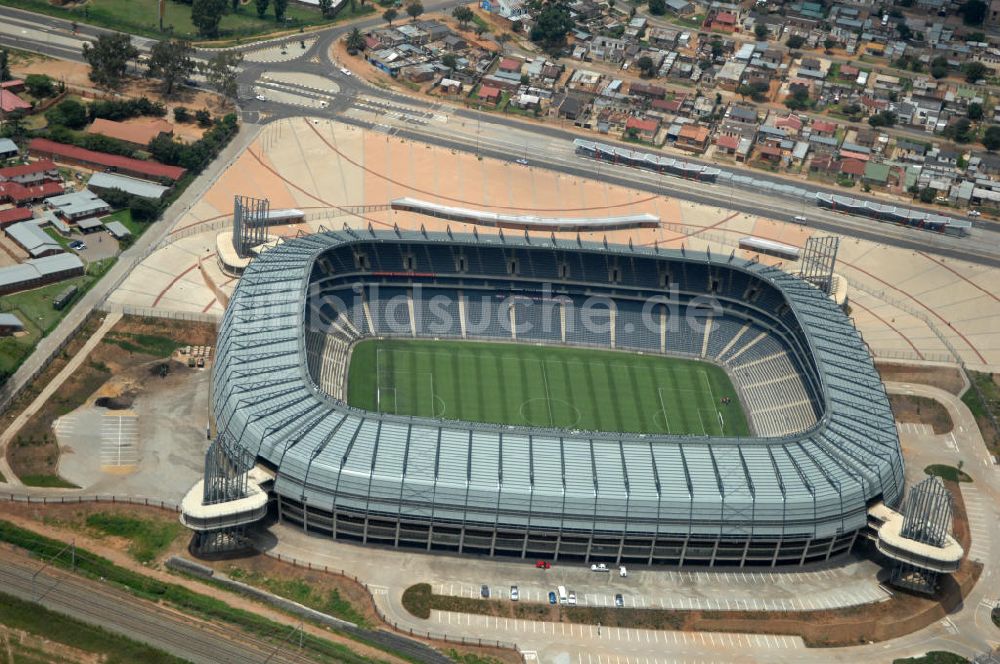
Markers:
{"x": 921, "y": 410}
{"x": 16, "y": 644}
{"x": 946, "y": 378}
{"x": 35, "y": 452}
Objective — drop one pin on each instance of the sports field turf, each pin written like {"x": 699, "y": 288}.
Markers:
{"x": 544, "y": 386}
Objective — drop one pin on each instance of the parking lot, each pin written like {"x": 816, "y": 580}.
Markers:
{"x": 684, "y": 590}
{"x": 623, "y": 636}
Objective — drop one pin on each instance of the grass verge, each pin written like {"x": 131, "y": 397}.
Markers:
{"x": 946, "y": 472}
{"x": 982, "y": 408}
{"x": 140, "y": 17}
{"x": 147, "y": 538}
{"x": 330, "y": 602}
{"x": 48, "y": 481}
{"x": 94, "y": 566}
{"x": 16, "y": 613}
{"x": 417, "y": 599}
{"x": 934, "y": 657}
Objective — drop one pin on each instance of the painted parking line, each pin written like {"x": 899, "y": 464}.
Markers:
{"x": 119, "y": 440}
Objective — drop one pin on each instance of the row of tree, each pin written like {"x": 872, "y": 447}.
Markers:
{"x": 171, "y": 62}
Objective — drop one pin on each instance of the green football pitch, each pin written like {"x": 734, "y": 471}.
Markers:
{"x": 544, "y": 386}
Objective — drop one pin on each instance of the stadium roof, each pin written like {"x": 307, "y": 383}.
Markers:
{"x": 814, "y": 483}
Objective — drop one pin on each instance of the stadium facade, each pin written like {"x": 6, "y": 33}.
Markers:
{"x": 825, "y": 447}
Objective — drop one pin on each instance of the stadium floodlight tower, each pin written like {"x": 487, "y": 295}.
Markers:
{"x": 250, "y": 220}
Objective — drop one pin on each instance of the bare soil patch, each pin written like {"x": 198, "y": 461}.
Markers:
{"x": 945, "y": 378}
{"x": 116, "y": 369}
{"x": 921, "y": 410}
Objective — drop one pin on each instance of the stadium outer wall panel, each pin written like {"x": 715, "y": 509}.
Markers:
{"x": 700, "y": 551}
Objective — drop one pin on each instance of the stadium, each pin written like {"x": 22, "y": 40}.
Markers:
{"x": 544, "y": 398}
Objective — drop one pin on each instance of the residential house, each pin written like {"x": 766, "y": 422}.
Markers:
{"x": 693, "y": 137}
{"x": 10, "y": 102}
{"x": 8, "y": 149}
{"x": 731, "y": 74}
{"x": 489, "y": 94}
{"x": 642, "y": 128}
{"x": 37, "y": 172}
{"x": 910, "y": 151}
{"x": 647, "y": 91}
{"x": 824, "y": 128}
{"x": 852, "y": 169}
{"x": 790, "y": 123}
{"x": 876, "y": 174}
{"x": 450, "y": 86}
{"x": 571, "y": 107}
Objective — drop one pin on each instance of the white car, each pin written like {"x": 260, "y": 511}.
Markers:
{"x": 345, "y": 71}
{"x": 974, "y": 213}
{"x": 261, "y": 98}
{"x": 622, "y": 572}
{"x": 522, "y": 161}
{"x": 514, "y": 594}
{"x": 572, "y": 598}
{"x": 599, "y": 567}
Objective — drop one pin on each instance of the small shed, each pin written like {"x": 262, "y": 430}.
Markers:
{"x": 118, "y": 229}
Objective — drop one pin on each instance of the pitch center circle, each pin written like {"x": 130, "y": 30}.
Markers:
{"x": 565, "y": 416}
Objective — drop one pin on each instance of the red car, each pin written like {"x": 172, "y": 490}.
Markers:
{"x": 541, "y": 564}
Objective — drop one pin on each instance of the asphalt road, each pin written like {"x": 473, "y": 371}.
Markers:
{"x": 119, "y": 611}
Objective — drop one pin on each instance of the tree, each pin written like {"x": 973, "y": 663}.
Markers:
{"x": 170, "y": 61}
{"x": 975, "y": 111}
{"x": 4, "y": 66}
{"x": 959, "y": 131}
{"x": 883, "y": 119}
{"x": 939, "y": 67}
{"x": 973, "y": 12}
{"x": 108, "y": 58}
{"x": 904, "y": 31}
{"x": 325, "y": 8}
{"x": 389, "y": 15}
{"x": 552, "y": 25}
{"x": 262, "y": 7}
{"x": 927, "y": 195}
{"x": 481, "y": 29}
{"x": 450, "y": 61}
{"x": 717, "y": 49}
{"x": 415, "y": 9}
{"x": 991, "y": 138}
{"x": 279, "y": 10}
{"x": 355, "y": 41}
{"x": 13, "y": 128}
{"x": 221, "y": 72}
{"x": 236, "y": 6}
{"x": 974, "y": 71}
{"x": 761, "y": 31}
{"x": 756, "y": 91}
{"x": 182, "y": 114}
{"x": 657, "y": 7}
{"x": 206, "y": 15}
{"x": 795, "y": 41}
{"x": 40, "y": 86}
{"x": 68, "y": 113}
{"x": 829, "y": 43}
{"x": 463, "y": 15}
{"x": 203, "y": 118}
{"x": 646, "y": 66}
{"x": 799, "y": 99}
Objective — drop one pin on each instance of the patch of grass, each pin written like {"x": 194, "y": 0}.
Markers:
{"x": 329, "y": 602}
{"x": 2, "y": 478}
{"x": 544, "y": 386}
{"x": 140, "y": 17}
{"x": 16, "y": 613}
{"x": 147, "y": 538}
{"x": 179, "y": 597}
{"x": 49, "y": 481}
{"x": 417, "y": 600}
{"x": 934, "y": 657}
{"x": 946, "y": 472}
{"x": 982, "y": 408}
{"x": 471, "y": 658}
{"x": 147, "y": 344}
{"x": 58, "y": 237}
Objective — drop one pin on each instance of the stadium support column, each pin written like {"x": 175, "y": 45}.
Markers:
{"x": 746, "y": 549}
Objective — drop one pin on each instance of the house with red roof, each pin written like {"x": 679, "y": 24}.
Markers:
{"x": 510, "y": 65}
{"x": 10, "y": 102}
{"x": 724, "y": 21}
{"x": 852, "y": 169}
{"x": 727, "y": 144}
{"x": 791, "y": 123}
{"x": 824, "y": 128}
{"x": 489, "y": 94}
{"x": 71, "y": 154}
{"x": 643, "y": 128}
{"x": 19, "y": 194}
{"x": 693, "y": 138}
{"x": 33, "y": 173}
{"x": 14, "y": 215}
